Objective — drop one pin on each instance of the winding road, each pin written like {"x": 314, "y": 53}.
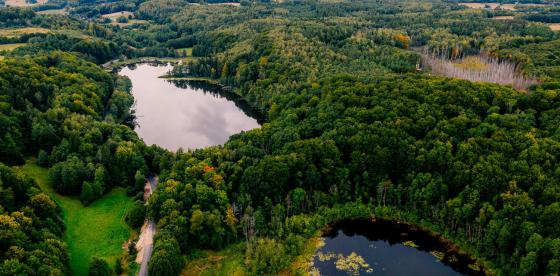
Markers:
{"x": 148, "y": 230}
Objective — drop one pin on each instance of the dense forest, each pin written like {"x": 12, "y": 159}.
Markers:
{"x": 355, "y": 127}
{"x": 30, "y": 228}
{"x": 66, "y": 112}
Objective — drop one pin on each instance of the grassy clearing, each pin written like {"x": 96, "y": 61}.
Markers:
{"x": 130, "y": 22}
{"x": 96, "y": 230}
{"x": 10, "y": 47}
{"x": 508, "y": 7}
{"x": 186, "y": 51}
{"x": 15, "y": 32}
{"x": 57, "y": 11}
{"x": 234, "y": 4}
{"x": 229, "y": 261}
{"x": 554, "y": 26}
{"x": 304, "y": 261}
{"x": 480, "y": 5}
{"x": 116, "y": 15}
{"x": 23, "y": 3}
{"x": 503, "y": 17}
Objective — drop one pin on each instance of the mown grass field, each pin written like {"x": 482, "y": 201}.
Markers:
{"x": 96, "y": 230}
{"x": 55, "y": 11}
{"x": 116, "y": 15}
{"x": 23, "y": 3}
{"x": 10, "y": 47}
{"x": 129, "y": 23}
{"x": 15, "y": 32}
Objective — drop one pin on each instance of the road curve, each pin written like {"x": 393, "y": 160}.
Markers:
{"x": 148, "y": 230}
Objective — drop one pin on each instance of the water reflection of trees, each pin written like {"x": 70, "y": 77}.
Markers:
{"x": 219, "y": 92}
{"x": 395, "y": 232}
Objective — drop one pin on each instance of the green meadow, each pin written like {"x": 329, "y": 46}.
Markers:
{"x": 96, "y": 230}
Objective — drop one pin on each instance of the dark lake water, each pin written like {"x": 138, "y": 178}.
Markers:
{"x": 362, "y": 247}
{"x": 180, "y": 114}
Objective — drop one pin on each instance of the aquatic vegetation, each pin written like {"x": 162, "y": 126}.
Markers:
{"x": 352, "y": 264}
{"x": 438, "y": 255}
{"x": 326, "y": 256}
{"x": 475, "y": 267}
{"x": 410, "y": 244}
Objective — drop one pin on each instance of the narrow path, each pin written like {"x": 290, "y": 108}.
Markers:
{"x": 145, "y": 242}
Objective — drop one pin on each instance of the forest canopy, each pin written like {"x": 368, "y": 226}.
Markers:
{"x": 355, "y": 126}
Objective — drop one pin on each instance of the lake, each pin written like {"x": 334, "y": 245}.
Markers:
{"x": 383, "y": 247}
{"x": 182, "y": 114}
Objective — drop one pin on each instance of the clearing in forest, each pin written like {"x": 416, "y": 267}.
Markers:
{"x": 235, "y": 4}
{"x": 96, "y": 230}
{"x": 480, "y": 5}
{"x": 479, "y": 69}
{"x": 503, "y": 17}
{"x": 116, "y": 15}
{"x": 54, "y": 11}
{"x": 10, "y": 47}
{"x": 554, "y": 26}
{"x": 15, "y": 32}
{"x": 24, "y": 3}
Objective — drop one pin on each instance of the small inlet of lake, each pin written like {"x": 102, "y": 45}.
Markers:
{"x": 383, "y": 247}
{"x": 182, "y": 114}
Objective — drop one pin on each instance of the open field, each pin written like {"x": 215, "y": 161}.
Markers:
{"x": 509, "y": 7}
{"x": 23, "y": 3}
{"x": 14, "y": 32}
{"x": 96, "y": 230}
{"x": 554, "y": 26}
{"x": 116, "y": 15}
{"x": 57, "y": 11}
{"x": 480, "y": 5}
{"x": 130, "y": 22}
{"x": 504, "y": 17}
{"x": 225, "y": 4}
{"x": 9, "y": 47}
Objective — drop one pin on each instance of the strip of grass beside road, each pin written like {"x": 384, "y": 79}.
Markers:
{"x": 96, "y": 230}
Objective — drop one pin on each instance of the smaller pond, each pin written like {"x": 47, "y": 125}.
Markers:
{"x": 383, "y": 247}
{"x": 182, "y": 114}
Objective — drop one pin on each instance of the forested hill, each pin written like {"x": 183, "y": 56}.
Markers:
{"x": 354, "y": 127}
{"x": 68, "y": 113}
{"x": 30, "y": 227}
{"x": 350, "y": 121}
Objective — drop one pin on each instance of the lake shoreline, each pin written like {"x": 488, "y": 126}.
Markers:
{"x": 409, "y": 234}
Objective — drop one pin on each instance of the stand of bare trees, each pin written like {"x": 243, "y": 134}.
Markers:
{"x": 486, "y": 69}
